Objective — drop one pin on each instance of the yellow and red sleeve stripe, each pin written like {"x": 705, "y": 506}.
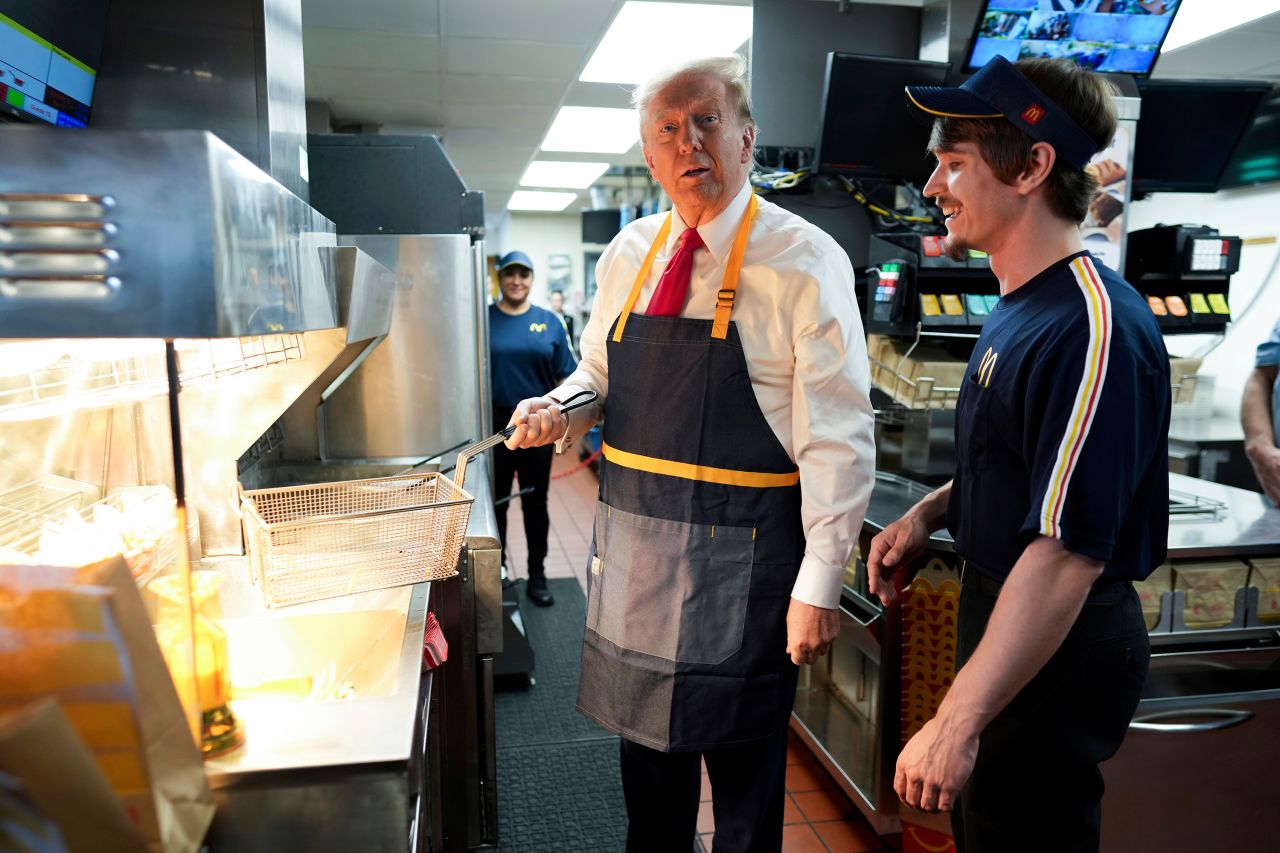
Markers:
{"x": 1097, "y": 355}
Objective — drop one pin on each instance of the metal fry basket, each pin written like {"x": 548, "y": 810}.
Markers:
{"x": 329, "y": 539}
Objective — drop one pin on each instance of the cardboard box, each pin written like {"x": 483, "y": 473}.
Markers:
{"x": 1151, "y": 590}
{"x": 1211, "y": 591}
{"x": 1266, "y": 578}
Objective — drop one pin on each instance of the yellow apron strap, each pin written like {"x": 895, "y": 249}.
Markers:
{"x": 658, "y": 243}
{"x": 729, "y": 285}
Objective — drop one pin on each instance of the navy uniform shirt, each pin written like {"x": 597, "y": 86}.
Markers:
{"x": 1062, "y": 426}
{"x": 528, "y": 353}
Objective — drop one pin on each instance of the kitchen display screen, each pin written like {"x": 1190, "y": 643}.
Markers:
{"x": 49, "y": 53}
{"x": 1121, "y": 36}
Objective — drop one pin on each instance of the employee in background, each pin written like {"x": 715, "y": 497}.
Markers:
{"x": 528, "y": 352}
{"x": 556, "y": 301}
{"x": 728, "y": 353}
{"x": 1060, "y": 495}
{"x": 1260, "y": 416}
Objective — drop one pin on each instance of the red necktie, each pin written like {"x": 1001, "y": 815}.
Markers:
{"x": 673, "y": 287}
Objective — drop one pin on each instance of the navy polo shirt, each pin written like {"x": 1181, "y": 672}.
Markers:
{"x": 1062, "y": 426}
{"x": 528, "y": 354}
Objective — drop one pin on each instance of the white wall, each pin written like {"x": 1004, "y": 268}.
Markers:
{"x": 1250, "y": 212}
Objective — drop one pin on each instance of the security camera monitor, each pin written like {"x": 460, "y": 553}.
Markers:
{"x": 1117, "y": 36}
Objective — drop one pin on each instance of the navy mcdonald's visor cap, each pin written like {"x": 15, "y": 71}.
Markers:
{"x": 515, "y": 259}
{"x": 999, "y": 90}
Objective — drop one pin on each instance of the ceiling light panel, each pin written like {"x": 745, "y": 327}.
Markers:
{"x": 529, "y": 200}
{"x": 592, "y": 130}
{"x": 552, "y": 173}
{"x": 646, "y": 38}
{"x": 1199, "y": 19}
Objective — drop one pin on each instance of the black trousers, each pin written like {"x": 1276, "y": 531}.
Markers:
{"x": 748, "y": 792}
{"x": 1036, "y": 783}
{"x": 533, "y": 467}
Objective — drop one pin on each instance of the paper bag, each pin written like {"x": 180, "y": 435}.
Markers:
{"x": 183, "y": 801}
{"x": 39, "y": 747}
{"x": 84, "y": 637}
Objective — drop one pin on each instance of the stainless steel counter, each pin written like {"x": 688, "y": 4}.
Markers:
{"x": 1244, "y": 525}
{"x": 372, "y": 640}
{"x": 892, "y": 496}
{"x": 1233, "y": 522}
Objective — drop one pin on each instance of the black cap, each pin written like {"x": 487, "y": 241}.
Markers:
{"x": 999, "y": 90}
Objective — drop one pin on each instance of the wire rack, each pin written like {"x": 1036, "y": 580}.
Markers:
{"x": 25, "y": 509}
{"x": 84, "y": 375}
{"x": 319, "y": 541}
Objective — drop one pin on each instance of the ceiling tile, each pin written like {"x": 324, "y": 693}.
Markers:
{"x": 351, "y": 83}
{"x": 534, "y": 119}
{"x": 560, "y": 21}
{"x": 521, "y": 58}
{"x": 495, "y": 89}
{"x": 410, "y": 17}
{"x": 357, "y": 49}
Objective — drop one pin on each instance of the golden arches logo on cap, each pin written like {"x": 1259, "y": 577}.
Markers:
{"x": 1033, "y": 114}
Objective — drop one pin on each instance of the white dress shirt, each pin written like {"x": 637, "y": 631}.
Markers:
{"x": 805, "y": 351}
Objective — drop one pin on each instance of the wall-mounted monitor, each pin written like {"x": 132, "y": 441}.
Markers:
{"x": 867, "y": 128}
{"x": 1116, "y": 36}
{"x": 1257, "y": 158}
{"x": 49, "y": 54}
{"x": 1188, "y": 130}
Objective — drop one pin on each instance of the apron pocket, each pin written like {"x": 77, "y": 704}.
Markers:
{"x": 669, "y": 589}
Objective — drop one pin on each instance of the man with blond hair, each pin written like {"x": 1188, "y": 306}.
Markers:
{"x": 727, "y": 350}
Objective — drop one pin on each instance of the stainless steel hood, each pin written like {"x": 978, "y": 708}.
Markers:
{"x": 139, "y": 234}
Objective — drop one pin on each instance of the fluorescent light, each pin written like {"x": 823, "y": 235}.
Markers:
{"x": 528, "y": 200}
{"x": 646, "y": 38}
{"x": 593, "y": 129}
{"x": 553, "y": 173}
{"x": 1199, "y": 19}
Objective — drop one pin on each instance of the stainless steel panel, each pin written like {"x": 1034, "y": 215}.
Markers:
{"x": 485, "y": 550}
{"x": 365, "y": 293}
{"x": 198, "y": 239}
{"x": 233, "y": 67}
{"x": 420, "y": 391}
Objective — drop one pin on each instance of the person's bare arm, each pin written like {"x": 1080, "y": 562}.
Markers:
{"x": 1037, "y": 606}
{"x": 1259, "y": 432}
{"x": 897, "y": 545}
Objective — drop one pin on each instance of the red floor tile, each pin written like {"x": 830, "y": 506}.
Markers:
{"x": 706, "y": 819}
{"x": 848, "y": 836}
{"x": 791, "y": 812}
{"x": 798, "y": 753}
{"x": 808, "y": 777}
{"x": 800, "y": 838}
{"x": 824, "y": 805}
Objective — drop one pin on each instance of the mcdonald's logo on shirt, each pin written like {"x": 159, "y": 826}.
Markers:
{"x": 987, "y": 365}
{"x": 537, "y": 327}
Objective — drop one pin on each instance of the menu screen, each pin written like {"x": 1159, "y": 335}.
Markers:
{"x": 49, "y": 54}
{"x": 1120, "y": 36}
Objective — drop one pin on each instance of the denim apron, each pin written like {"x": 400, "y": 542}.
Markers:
{"x": 698, "y": 537}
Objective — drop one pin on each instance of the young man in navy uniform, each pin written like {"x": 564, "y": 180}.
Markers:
{"x": 1060, "y": 495}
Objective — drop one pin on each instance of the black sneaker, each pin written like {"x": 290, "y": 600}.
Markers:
{"x": 537, "y": 591}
